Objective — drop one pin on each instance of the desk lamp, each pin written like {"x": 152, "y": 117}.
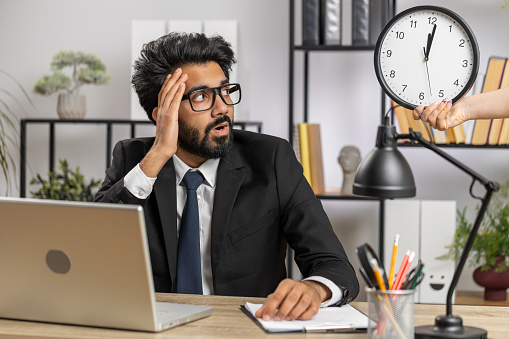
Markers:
{"x": 385, "y": 173}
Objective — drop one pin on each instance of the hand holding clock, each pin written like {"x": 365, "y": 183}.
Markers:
{"x": 443, "y": 115}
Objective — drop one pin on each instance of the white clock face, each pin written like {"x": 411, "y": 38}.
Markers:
{"x": 426, "y": 54}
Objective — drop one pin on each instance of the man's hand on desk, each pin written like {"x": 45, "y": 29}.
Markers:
{"x": 294, "y": 300}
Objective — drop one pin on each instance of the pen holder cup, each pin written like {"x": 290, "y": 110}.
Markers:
{"x": 391, "y": 314}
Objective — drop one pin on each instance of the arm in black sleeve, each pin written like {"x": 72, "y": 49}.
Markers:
{"x": 318, "y": 252}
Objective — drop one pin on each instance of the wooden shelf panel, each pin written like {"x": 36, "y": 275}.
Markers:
{"x": 317, "y": 48}
{"x": 335, "y": 194}
{"x": 409, "y": 144}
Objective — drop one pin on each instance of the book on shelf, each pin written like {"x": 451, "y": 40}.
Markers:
{"x": 496, "y": 124}
{"x": 459, "y": 134}
{"x": 504, "y": 129}
{"x": 368, "y": 19}
{"x": 360, "y": 22}
{"x": 450, "y": 136}
{"x": 422, "y": 128}
{"x": 378, "y": 16}
{"x": 331, "y": 22}
{"x": 468, "y": 126}
{"x": 439, "y": 137}
{"x": 492, "y": 81}
{"x": 414, "y": 125}
{"x": 296, "y": 142}
{"x": 315, "y": 158}
{"x": 310, "y": 22}
{"x": 308, "y": 145}
{"x": 304, "y": 151}
{"x": 402, "y": 117}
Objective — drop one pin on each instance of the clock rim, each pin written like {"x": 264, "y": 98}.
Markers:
{"x": 452, "y": 14}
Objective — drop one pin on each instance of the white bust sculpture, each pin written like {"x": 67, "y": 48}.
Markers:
{"x": 349, "y": 159}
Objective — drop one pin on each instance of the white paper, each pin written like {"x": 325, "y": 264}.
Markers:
{"x": 342, "y": 316}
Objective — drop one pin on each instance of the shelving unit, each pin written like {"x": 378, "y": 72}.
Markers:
{"x": 307, "y": 50}
{"x": 50, "y": 123}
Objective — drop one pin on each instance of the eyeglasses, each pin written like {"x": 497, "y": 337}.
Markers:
{"x": 204, "y": 99}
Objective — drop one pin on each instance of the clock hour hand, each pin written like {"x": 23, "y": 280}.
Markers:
{"x": 430, "y": 41}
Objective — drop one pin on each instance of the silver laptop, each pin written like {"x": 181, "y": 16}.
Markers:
{"x": 81, "y": 263}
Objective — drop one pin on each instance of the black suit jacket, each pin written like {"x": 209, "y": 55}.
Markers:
{"x": 262, "y": 202}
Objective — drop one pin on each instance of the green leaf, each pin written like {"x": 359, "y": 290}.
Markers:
{"x": 67, "y": 184}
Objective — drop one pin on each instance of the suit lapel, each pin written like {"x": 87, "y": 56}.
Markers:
{"x": 229, "y": 179}
{"x": 166, "y": 197}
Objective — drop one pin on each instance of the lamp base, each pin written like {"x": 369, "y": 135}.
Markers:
{"x": 449, "y": 327}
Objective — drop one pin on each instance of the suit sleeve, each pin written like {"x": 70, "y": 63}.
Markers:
{"x": 112, "y": 189}
{"x": 318, "y": 252}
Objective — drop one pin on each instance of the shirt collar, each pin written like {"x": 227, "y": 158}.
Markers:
{"x": 208, "y": 169}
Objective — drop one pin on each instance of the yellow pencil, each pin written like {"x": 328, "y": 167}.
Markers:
{"x": 378, "y": 275}
{"x": 393, "y": 260}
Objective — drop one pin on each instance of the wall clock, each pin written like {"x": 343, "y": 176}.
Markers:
{"x": 426, "y": 54}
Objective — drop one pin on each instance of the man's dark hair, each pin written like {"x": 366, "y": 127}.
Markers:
{"x": 164, "y": 55}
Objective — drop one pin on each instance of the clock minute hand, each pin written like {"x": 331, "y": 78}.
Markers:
{"x": 427, "y": 70}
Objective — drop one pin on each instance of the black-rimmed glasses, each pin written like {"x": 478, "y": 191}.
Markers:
{"x": 204, "y": 99}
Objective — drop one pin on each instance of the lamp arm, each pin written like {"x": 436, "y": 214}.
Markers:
{"x": 490, "y": 188}
{"x": 416, "y": 136}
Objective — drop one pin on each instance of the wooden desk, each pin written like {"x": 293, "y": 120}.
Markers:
{"x": 476, "y": 298}
{"x": 228, "y": 321}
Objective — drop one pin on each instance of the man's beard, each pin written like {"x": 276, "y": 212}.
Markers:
{"x": 207, "y": 148}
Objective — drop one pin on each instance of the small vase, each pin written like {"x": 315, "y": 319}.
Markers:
{"x": 495, "y": 284}
{"x": 71, "y": 106}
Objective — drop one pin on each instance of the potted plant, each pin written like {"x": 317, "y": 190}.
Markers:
{"x": 85, "y": 69}
{"x": 490, "y": 250}
{"x": 67, "y": 185}
{"x": 11, "y": 106}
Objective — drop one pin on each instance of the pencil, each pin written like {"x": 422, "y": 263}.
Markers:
{"x": 393, "y": 259}
{"x": 405, "y": 265}
{"x": 378, "y": 275}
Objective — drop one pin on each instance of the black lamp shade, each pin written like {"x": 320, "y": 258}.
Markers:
{"x": 385, "y": 172}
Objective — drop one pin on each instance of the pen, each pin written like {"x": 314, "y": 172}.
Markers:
{"x": 405, "y": 265}
{"x": 393, "y": 260}
{"x": 417, "y": 275}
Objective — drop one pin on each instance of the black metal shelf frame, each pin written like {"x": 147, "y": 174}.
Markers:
{"x": 321, "y": 48}
{"x": 109, "y": 130}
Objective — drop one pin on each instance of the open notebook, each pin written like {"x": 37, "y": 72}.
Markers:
{"x": 328, "y": 319}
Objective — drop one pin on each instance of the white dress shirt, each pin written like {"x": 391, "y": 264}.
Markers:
{"x": 141, "y": 186}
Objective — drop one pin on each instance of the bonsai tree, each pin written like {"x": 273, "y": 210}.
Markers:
{"x": 67, "y": 185}
{"x": 492, "y": 241}
{"x": 85, "y": 69}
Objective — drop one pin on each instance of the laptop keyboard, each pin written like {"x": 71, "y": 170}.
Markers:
{"x": 163, "y": 311}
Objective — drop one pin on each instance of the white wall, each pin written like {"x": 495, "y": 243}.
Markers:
{"x": 344, "y": 93}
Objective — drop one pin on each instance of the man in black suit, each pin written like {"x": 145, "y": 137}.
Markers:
{"x": 254, "y": 199}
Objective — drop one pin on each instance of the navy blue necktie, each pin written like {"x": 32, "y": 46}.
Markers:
{"x": 188, "y": 255}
